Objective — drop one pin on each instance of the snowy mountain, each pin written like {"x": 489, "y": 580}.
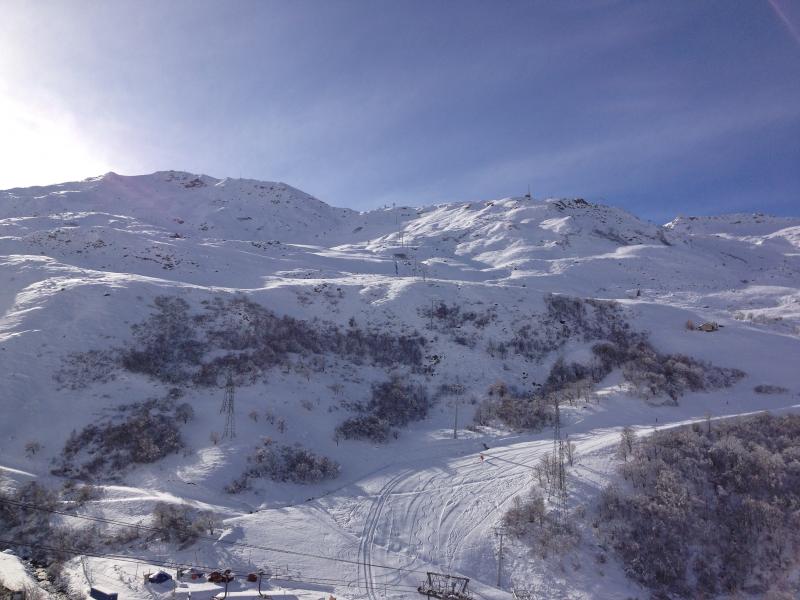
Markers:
{"x": 166, "y": 288}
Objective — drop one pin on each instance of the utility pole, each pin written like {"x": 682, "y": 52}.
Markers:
{"x": 458, "y": 390}
{"x": 86, "y": 571}
{"x": 500, "y": 532}
{"x": 556, "y": 443}
{"x": 455, "y": 422}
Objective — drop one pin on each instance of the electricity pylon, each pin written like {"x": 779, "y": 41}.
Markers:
{"x": 227, "y": 409}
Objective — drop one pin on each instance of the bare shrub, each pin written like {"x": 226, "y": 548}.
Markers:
{"x": 32, "y": 448}
{"x": 178, "y": 523}
{"x": 184, "y": 412}
{"x": 627, "y": 442}
{"x": 25, "y": 517}
{"x": 650, "y": 373}
{"x": 234, "y": 335}
{"x": 568, "y": 318}
{"x": 207, "y": 521}
{"x": 523, "y": 513}
{"x": 769, "y": 389}
{"x": 365, "y": 427}
{"x": 138, "y": 433}
{"x": 448, "y": 317}
{"x": 706, "y": 511}
{"x": 529, "y": 520}
{"x": 81, "y": 369}
{"x": 566, "y": 382}
{"x": 284, "y": 463}
{"x": 514, "y": 408}
{"x": 249, "y": 339}
{"x": 394, "y": 403}
{"x": 80, "y": 493}
{"x": 572, "y": 453}
{"x": 166, "y": 342}
{"x": 653, "y": 374}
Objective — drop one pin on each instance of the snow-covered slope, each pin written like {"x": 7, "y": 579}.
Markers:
{"x": 80, "y": 263}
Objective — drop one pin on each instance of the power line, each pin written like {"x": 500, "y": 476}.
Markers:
{"x": 118, "y": 557}
{"x": 398, "y": 587}
{"x": 208, "y": 538}
{"x": 174, "y": 565}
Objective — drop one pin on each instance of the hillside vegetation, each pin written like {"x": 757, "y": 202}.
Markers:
{"x": 237, "y": 359}
{"x": 709, "y": 509}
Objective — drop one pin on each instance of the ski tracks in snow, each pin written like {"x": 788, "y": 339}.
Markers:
{"x": 431, "y": 515}
{"x": 440, "y": 516}
{"x": 366, "y": 581}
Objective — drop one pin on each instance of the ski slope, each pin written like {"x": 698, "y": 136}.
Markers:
{"x": 81, "y": 262}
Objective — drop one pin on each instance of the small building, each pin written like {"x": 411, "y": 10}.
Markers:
{"x": 159, "y": 577}
{"x": 99, "y": 593}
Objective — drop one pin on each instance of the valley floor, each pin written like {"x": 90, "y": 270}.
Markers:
{"x": 437, "y": 509}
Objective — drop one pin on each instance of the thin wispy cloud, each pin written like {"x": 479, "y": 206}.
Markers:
{"x": 790, "y": 27}
{"x": 362, "y": 103}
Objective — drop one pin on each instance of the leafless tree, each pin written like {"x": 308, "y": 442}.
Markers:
{"x": 627, "y": 440}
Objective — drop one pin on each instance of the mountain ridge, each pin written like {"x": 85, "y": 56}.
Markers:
{"x": 123, "y": 299}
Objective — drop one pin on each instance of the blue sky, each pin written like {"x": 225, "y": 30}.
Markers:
{"x": 659, "y": 107}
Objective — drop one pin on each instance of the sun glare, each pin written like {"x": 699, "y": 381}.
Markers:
{"x": 40, "y": 147}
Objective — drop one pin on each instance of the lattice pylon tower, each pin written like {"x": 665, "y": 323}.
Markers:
{"x": 561, "y": 499}
{"x": 559, "y": 475}
{"x": 556, "y": 443}
{"x": 227, "y": 410}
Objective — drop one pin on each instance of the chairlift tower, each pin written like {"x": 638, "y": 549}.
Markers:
{"x": 500, "y": 532}
{"x": 445, "y": 587}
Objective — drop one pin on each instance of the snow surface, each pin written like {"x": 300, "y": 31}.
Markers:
{"x": 13, "y": 575}
{"x": 80, "y": 262}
